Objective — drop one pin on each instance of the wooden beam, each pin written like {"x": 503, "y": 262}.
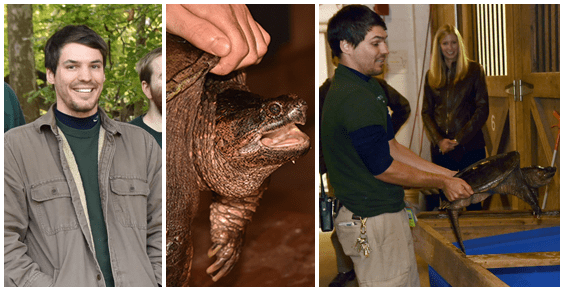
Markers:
{"x": 517, "y": 260}
{"x": 477, "y": 224}
{"x": 449, "y": 261}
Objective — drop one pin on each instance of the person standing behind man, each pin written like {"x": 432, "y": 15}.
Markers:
{"x": 13, "y": 114}
{"x": 82, "y": 192}
{"x": 366, "y": 165}
{"x": 150, "y": 73}
{"x": 455, "y": 106}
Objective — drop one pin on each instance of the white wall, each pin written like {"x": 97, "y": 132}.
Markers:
{"x": 407, "y": 33}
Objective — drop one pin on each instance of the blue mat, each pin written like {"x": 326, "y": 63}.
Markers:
{"x": 537, "y": 240}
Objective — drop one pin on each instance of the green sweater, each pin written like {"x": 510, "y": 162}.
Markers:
{"x": 13, "y": 114}
{"x": 84, "y": 145}
{"x": 352, "y": 104}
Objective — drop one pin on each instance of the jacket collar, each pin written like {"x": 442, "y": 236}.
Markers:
{"x": 452, "y": 67}
{"x": 357, "y": 73}
{"x": 49, "y": 120}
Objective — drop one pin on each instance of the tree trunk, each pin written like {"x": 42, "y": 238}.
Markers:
{"x": 21, "y": 58}
{"x": 141, "y": 42}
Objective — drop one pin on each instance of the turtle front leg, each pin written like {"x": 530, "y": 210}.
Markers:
{"x": 453, "y": 215}
{"x": 229, "y": 217}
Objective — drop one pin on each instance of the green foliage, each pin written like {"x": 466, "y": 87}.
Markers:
{"x": 131, "y": 31}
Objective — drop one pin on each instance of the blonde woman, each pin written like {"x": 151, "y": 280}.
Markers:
{"x": 455, "y": 104}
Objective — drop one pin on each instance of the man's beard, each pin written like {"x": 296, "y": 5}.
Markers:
{"x": 157, "y": 95}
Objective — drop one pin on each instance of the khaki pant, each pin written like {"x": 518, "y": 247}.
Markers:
{"x": 392, "y": 258}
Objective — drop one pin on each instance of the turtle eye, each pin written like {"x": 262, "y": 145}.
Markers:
{"x": 275, "y": 109}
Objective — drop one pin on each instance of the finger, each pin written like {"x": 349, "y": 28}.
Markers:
{"x": 252, "y": 34}
{"x": 262, "y": 48}
{"x": 198, "y": 31}
{"x": 244, "y": 41}
{"x": 469, "y": 189}
{"x": 266, "y": 38}
{"x": 261, "y": 37}
{"x": 224, "y": 18}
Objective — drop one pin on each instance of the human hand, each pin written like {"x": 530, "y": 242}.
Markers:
{"x": 447, "y": 145}
{"x": 227, "y": 30}
{"x": 456, "y": 188}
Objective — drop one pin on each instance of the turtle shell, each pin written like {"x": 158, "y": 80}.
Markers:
{"x": 486, "y": 174}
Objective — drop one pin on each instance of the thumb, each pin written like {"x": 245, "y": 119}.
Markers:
{"x": 197, "y": 31}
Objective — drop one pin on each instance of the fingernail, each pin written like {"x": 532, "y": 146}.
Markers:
{"x": 220, "y": 47}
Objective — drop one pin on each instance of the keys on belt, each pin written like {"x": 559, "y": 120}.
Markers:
{"x": 361, "y": 244}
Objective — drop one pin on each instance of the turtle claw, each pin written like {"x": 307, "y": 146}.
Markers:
{"x": 220, "y": 274}
{"x": 226, "y": 259}
{"x": 213, "y": 250}
{"x": 216, "y": 266}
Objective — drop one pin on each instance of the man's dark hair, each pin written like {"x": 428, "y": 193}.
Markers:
{"x": 351, "y": 24}
{"x": 144, "y": 68}
{"x": 81, "y": 34}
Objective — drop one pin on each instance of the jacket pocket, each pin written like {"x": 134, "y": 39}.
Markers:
{"x": 130, "y": 201}
{"x": 52, "y": 204}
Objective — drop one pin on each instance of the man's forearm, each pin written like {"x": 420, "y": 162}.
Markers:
{"x": 417, "y": 172}
{"x": 406, "y": 175}
{"x": 402, "y": 154}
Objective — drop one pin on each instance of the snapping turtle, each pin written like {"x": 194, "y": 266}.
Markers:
{"x": 499, "y": 174}
{"x": 223, "y": 138}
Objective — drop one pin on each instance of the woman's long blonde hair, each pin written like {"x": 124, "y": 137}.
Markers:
{"x": 437, "y": 74}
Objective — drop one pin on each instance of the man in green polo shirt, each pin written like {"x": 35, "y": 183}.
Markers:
{"x": 367, "y": 167}
{"x": 150, "y": 71}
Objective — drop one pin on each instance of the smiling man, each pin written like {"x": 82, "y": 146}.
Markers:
{"x": 367, "y": 167}
{"x": 82, "y": 192}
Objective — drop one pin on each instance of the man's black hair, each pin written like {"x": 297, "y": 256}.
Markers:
{"x": 81, "y": 34}
{"x": 351, "y": 24}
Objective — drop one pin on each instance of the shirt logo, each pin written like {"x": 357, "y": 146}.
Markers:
{"x": 381, "y": 98}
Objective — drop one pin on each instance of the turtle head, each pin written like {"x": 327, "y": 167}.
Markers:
{"x": 256, "y": 132}
{"x": 536, "y": 177}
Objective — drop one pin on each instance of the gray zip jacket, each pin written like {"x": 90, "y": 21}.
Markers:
{"x": 47, "y": 237}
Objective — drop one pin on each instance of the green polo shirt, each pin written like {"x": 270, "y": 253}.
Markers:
{"x": 352, "y": 104}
